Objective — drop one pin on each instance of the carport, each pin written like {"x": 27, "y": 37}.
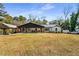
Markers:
{"x": 5, "y": 26}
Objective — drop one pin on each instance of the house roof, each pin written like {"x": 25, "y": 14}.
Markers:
{"x": 49, "y": 25}
{"x": 2, "y": 17}
{"x": 4, "y": 25}
{"x": 31, "y": 25}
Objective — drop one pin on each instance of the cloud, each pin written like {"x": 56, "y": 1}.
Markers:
{"x": 47, "y": 7}
{"x": 32, "y": 12}
{"x": 37, "y": 12}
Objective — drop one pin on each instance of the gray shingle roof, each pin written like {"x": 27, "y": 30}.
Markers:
{"x": 49, "y": 25}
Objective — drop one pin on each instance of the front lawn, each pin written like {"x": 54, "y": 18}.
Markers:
{"x": 39, "y": 44}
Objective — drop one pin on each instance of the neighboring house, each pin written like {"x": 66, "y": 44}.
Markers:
{"x": 52, "y": 28}
{"x": 66, "y": 31}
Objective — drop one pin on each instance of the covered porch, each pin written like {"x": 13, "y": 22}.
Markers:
{"x": 31, "y": 27}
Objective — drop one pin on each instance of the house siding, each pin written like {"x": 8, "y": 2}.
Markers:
{"x": 53, "y": 29}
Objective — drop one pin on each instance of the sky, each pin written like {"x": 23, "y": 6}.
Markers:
{"x": 51, "y": 11}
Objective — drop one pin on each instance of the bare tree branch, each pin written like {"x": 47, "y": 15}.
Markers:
{"x": 66, "y": 11}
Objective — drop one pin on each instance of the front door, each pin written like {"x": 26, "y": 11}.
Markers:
{"x": 55, "y": 29}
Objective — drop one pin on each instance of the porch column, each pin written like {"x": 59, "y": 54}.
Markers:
{"x": 26, "y": 29}
{"x": 41, "y": 29}
{"x": 35, "y": 29}
{"x": 4, "y": 31}
{"x": 20, "y": 30}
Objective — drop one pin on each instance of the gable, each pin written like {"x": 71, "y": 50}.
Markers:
{"x": 31, "y": 25}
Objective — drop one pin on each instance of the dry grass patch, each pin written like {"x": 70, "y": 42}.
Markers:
{"x": 39, "y": 44}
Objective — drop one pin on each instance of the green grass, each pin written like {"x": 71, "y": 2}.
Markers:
{"x": 39, "y": 44}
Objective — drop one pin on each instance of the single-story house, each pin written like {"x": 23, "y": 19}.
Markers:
{"x": 32, "y": 27}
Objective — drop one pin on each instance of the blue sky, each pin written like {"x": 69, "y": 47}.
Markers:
{"x": 52, "y": 11}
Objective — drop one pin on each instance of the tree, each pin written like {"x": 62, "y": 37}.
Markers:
{"x": 1, "y": 6}
{"x": 65, "y": 25}
{"x": 15, "y": 20}
{"x": 2, "y": 12}
{"x": 78, "y": 22}
{"x": 58, "y": 22}
{"x": 22, "y": 20}
{"x": 19, "y": 20}
{"x": 8, "y": 19}
{"x": 30, "y": 18}
{"x": 66, "y": 12}
{"x": 1, "y": 9}
{"x": 38, "y": 21}
{"x": 72, "y": 22}
{"x": 53, "y": 22}
{"x": 44, "y": 21}
{"x": 34, "y": 19}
